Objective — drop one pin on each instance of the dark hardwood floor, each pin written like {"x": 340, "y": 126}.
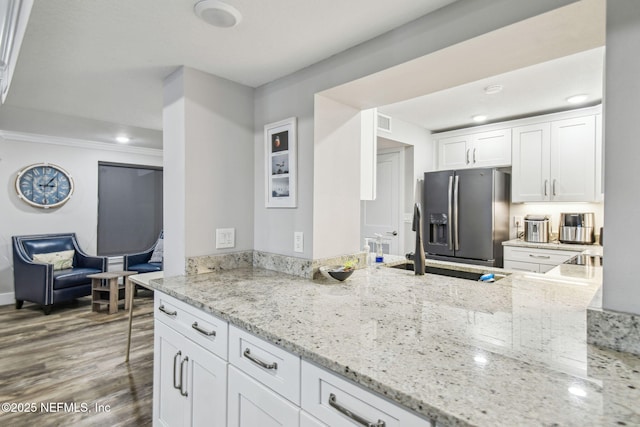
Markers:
{"x": 68, "y": 368}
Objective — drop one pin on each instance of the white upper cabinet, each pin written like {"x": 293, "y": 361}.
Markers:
{"x": 474, "y": 150}
{"x": 555, "y": 161}
{"x": 531, "y": 169}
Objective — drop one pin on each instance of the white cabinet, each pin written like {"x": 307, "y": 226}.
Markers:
{"x": 190, "y": 370}
{"x": 555, "y": 161}
{"x": 535, "y": 260}
{"x": 253, "y": 404}
{"x": 190, "y": 383}
{"x": 340, "y": 403}
{"x": 482, "y": 149}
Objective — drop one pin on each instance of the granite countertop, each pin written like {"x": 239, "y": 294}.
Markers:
{"x": 512, "y": 352}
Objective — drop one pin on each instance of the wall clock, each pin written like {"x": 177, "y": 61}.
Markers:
{"x": 44, "y": 185}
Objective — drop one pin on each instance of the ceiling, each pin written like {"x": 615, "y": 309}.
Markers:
{"x": 537, "y": 89}
{"x": 104, "y": 61}
{"x": 94, "y": 69}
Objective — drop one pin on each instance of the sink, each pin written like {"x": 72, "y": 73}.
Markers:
{"x": 468, "y": 275}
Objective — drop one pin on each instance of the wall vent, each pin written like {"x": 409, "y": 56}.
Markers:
{"x": 384, "y": 122}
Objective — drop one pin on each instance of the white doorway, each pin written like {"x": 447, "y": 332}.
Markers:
{"x": 384, "y": 214}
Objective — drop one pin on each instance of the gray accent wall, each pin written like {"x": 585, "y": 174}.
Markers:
{"x": 294, "y": 96}
{"x": 621, "y": 286}
{"x": 208, "y": 145}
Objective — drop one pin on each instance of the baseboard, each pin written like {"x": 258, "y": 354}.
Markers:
{"x": 7, "y": 298}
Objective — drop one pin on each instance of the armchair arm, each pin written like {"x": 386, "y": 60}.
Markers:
{"x": 32, "y": 281}
{"x": 137, "y": 258}
{"x": 85, "y": 260}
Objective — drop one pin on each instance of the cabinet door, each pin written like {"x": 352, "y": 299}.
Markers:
{"x": 491, "y": 149}
{"x": 190, "y": 383}
{"x": 170, "y": 408}
{"x": 252, "y": 404}
{"x": 454, "y": 152}
{"x": 573, "y": 146}
{"x": 207, "y": 385}
{"x": 530, "y": 168}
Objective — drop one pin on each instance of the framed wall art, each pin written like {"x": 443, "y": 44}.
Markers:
{"x": 280, "y": 140}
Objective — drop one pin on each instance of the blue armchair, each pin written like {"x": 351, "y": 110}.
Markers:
{"x": 142, "y": 262}
{"x": 41, "y": 283}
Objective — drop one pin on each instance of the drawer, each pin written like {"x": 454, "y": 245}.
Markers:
{"x": 522, "y": 266}
{"x": 540, "y": 256}
{"x": 203, "y": 328}
{"x": 271, "y": 365}
{"x": 337, "y": 402}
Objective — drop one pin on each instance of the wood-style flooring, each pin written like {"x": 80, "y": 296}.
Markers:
{"x": 69, "y": 366}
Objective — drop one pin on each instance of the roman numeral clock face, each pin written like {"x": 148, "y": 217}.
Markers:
{"x": 44, "y": 185}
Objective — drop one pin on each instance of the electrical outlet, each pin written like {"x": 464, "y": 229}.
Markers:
{"x": 298, "y": 241}
{"x": 517, "y": 221}
{"x": 225, "y": 238}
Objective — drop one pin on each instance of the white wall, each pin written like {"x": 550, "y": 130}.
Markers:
{"x": 208, "y": 139}
{"x": 621, "y": 291}
{"x": 336, "y": 183}
{"x": 294, "y": 96}
{"x": 79, "y": 215}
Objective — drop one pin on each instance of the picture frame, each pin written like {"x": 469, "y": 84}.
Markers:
{"x": 280, "y": 139}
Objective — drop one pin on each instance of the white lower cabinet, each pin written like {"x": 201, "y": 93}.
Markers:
{"x": 261, "y": 384}
{"x": 338, "y": 402}
{"x": 190, "y": 383}
{"x": 307, "y": 420}
{"x": 253, "y": 404}
{"x": 534, "y": 260}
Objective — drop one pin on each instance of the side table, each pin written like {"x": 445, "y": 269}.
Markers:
{"x": 109, "y": 294}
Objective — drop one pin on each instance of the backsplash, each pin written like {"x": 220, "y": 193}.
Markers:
{"x": 281, "y": 263}
{"x": 554, "y": 210}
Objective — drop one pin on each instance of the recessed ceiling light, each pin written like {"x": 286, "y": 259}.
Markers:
{"x": 493, "y": 89}
{"x": 479, "y": 118}
{"x": 577, "y": 99}
{"x": 217, "y": 13}
{"x": 122, "y": 139}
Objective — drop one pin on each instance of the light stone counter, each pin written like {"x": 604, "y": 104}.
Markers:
{"x": 556, "y": 245}
{"x": 509, "y": 353}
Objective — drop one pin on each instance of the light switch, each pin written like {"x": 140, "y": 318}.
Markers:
{"x": 225, "y": 238}
{"x": 298, "y": 241}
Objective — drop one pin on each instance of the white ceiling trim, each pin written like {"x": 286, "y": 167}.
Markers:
{"x": 77, "y": 143}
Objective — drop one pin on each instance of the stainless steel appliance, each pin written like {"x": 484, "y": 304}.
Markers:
{"x": 466, "y": 215}
{"x": 577, "y": 228}
{"x": 536, "y": 228}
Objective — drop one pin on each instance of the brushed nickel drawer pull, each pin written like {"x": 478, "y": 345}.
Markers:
{"x": 167, "y": 312}
{"x": 175, "y": 359}
{"x": 357, "y": 418}
{"x": 203, "y": 331}
{"x": 540, "y": 256}
{"x": 186, "y": 359}
{"x": 259, "y": 362}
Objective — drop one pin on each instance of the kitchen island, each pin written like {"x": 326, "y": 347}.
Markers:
{"x": 459, "y": 352}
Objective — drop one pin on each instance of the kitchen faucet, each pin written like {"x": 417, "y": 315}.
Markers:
{"x": 418, "y": 257}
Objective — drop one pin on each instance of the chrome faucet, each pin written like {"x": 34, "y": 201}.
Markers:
{"x": 418, "y": 257}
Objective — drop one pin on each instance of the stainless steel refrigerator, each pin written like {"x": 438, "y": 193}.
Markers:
{"x": 466, "y": 215}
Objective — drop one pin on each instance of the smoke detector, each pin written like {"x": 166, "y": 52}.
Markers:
{"x": 217, "y": 13}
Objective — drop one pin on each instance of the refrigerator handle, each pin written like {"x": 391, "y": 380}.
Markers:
{"x": 456, "y": 186}
{"x": 450, "y": 208}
